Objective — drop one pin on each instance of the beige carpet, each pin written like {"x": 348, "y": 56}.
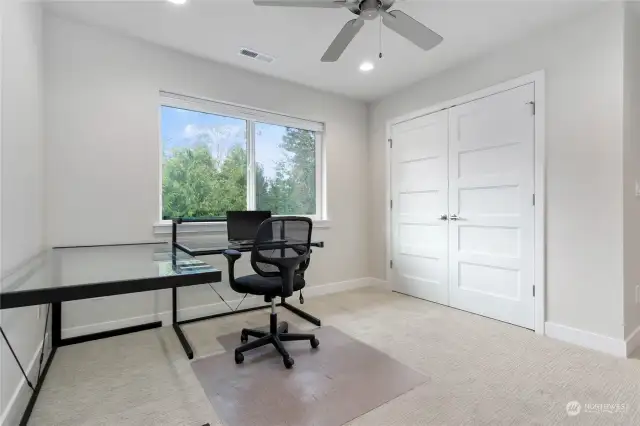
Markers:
{"x": 481, "y": 372}
{"x": 328, "y": 386}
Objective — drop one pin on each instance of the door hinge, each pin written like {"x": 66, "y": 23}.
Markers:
{"x": 390, "y": 143}
{"x": 391, "y": 264}
{"x": 391, "y": 204}
{"x": 533, "y": 107}
{"x": 534, "y": 291}
{"x": 534, "y": 199}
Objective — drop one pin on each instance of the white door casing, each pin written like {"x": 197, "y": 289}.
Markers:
{"x": 491, "y": 191}
{"x": 419, "y": 191}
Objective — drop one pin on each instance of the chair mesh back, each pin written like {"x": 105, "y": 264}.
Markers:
{"x": 280, "y": 239}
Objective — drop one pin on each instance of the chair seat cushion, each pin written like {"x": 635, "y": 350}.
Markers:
{"x": 264, "y": 286}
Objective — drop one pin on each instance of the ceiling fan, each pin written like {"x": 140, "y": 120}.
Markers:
{"x": 366, "y": 10}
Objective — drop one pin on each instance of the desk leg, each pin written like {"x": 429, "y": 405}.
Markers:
{"x": 176, "y": 327}
{"x": 300, "y": 312}
{"x": 174, "y": 305}
{"x": 56, "y": 324}
{"x": 34, "y": 396}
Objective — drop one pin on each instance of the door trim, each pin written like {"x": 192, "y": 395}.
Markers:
{"x": 538, "y": 80}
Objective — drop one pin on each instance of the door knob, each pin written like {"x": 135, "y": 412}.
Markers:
{"x": 455, "y": 217}
{"x": 444, "y": 217}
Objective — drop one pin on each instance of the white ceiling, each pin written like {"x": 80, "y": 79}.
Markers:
{"x": 297, "y": 37}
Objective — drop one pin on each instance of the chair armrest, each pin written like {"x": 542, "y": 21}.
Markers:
{"x": 288, "y": 270}
{"x": 232, "y": 255}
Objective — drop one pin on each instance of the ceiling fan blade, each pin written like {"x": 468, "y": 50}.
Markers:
{"x": 342, "y": 40}
{"x": 411, "y": 29}
{"x": 386, "y": 4}
{"x": 302, "y": 3}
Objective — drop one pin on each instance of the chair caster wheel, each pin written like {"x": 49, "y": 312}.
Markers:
{"x": 239, "y": 358}
{"x": 315, "y": 343}
{"x": 244, "y": 338}
{"x": 288, "y": 362}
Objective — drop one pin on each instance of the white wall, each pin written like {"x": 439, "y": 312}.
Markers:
{"x": 102, "y": 154}
{"x": 583, "y": 64}
{"x": 22, "y": 224}
{"x": 631, "y": 167}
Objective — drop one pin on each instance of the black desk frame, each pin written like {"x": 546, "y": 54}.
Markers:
{"x": 196, "y": 253}
{"x": 57, "y": 295}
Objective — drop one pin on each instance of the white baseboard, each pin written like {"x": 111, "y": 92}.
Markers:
{"x": 20, "y": 398}
{"x": 378, "y": 282}
{"x": 587, "y": 339}
{"x": 213, "y": 308}
{"x": 323, "y": 289}
{"x": 633, "y": 341}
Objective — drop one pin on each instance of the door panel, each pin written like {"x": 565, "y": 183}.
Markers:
{"x": 491, "y": 186}
{"x": 419, "y": 190}
{"x": 488, "y": 279}
{"x": 475, "y": 200}
{"x": 482, "y": 162}
{"x": 412, "y": 174}
{"x": 501, "y": 241}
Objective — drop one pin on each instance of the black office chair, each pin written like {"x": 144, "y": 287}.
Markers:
{"x": 280, "y": 255}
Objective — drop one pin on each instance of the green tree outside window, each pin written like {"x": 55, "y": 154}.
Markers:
{"x": 199, "y": 184}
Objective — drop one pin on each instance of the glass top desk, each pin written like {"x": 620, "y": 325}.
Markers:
{"x": 64, "y": 274}
{"x": 75, "y": 273}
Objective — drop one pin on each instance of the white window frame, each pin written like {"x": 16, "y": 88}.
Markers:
{"x": 251, "y": 115}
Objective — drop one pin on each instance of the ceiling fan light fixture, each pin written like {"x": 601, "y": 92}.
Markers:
{"x": 366, "y": 10}
{"x": 366, "y": 66}
{"x": 179, "y": 2}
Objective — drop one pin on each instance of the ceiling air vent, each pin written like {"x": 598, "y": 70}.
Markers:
{"x": 256, "y": 55}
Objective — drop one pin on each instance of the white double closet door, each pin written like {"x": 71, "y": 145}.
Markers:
{"x": 462, "y": 216}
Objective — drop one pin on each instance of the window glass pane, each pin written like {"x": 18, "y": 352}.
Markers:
{"x": 204, "y": 164}
{"x": 285, "y": 169}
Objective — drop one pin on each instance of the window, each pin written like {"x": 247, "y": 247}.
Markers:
{"x": 217, "y": 157}
{"x": 285, "y": 169}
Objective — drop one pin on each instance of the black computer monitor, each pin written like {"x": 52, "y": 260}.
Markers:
{"x": 243, "y": 225}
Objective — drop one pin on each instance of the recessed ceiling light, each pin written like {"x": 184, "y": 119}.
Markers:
{"x": 177, "y": 1}
{"x": 366, "y": 66}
